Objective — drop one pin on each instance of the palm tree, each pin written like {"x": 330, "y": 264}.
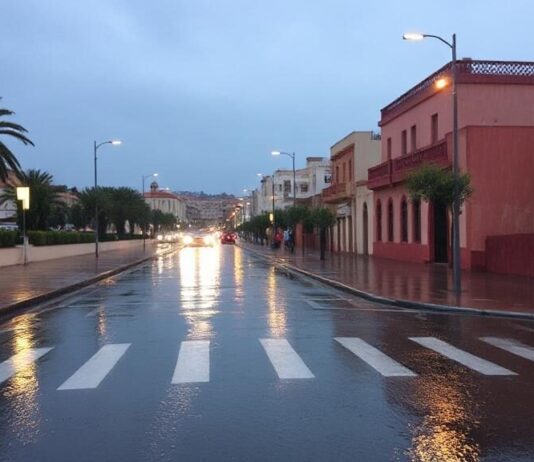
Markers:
{"x": 44, "y": 197}
{"x": 7, "y": 158}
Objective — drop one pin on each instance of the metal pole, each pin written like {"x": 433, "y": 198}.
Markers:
{"x": 294, "y": 182}
{"x": 96, "y": 205}
{"x": 456, "y": 269}
{"x": 274, "y": 227}
{"x": 144, "y": 224}
{"x": 25, "y": 240}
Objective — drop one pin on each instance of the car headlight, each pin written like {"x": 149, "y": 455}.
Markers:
{"x": 188, "y": 240}
{"x": 160, "y": 237}
{"x": 208, "y": 240}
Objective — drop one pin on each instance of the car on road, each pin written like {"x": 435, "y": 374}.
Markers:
{"x": 198, "y": 239}
{"x": 228, "y": 238}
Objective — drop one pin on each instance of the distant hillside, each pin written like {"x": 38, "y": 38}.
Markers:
{"x": 203, "y": 195}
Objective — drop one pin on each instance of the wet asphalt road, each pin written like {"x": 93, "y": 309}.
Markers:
{"x": 211, "y": 354}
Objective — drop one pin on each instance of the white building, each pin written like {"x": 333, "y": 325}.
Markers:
{"x": 310, "y": 181}
{"x": 165, "y": 201}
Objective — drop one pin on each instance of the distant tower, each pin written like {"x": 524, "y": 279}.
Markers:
{"x": 154, "y": 187}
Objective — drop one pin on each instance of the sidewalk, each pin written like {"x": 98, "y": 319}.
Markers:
{"x": 36, "y": 282}
{"x": 408, "y": 282}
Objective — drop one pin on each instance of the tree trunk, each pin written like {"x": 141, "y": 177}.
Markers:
{"x": 322, "y": 242}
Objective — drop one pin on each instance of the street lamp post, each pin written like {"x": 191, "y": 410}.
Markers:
{"x": 292, "y": 155}
{"x": 456, "y": 268}
{"x": 23, "y": 194}
{"x": 96, "y": 146}
{"x": 144, "y": 224}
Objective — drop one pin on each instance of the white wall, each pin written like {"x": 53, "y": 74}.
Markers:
{"x": 14, "y": 255}
{"x": 364, "y": 195}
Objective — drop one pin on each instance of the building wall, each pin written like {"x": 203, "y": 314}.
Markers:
{"x": 358, "y": 151}
{"x": 501, "y": 163}
{"x": 364, "y": 196}
{"x": 411, "y": 250}
{"x": 478, "y": 105}
{"x": 419, "y": 115}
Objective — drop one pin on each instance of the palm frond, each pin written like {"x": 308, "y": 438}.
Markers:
{"x": 17, "y": 135}
{"x": 7, "y": 159}
{"x": 6, "y": 112}
{"x": 13, "y": 126}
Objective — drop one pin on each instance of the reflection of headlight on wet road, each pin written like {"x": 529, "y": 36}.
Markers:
{"x": 188, "y": 240}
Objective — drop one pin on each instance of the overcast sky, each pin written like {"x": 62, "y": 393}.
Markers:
{"x": 201, "y": 91}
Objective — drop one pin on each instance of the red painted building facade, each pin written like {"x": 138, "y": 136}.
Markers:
{"x": 496, "y": 147}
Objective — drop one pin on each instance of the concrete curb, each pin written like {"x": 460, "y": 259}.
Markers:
{"x": 295, "y": 270}
{"x": 53, "y": 294}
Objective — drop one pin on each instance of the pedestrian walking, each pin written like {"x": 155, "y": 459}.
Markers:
{"x": 286, "y": 238}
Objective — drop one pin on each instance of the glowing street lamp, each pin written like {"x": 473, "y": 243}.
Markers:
{"x": 292, "y": 155}
{"x": 456, "y": 268}
{"x": 96, "y": 146}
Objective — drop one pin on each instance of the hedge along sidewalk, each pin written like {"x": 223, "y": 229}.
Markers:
{"x": 413, "y": 285}
{"x": 25, "y": 286}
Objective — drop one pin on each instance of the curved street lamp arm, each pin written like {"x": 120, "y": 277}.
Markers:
{"x": 439, "y": 38}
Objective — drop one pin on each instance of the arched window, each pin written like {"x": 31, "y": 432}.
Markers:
{"x": 390, "y": 220}
{"x": 416, "y": 209}
{"x": 378, "y": 220}
{"x": 404, "y": 219}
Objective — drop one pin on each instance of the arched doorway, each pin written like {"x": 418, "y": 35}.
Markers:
{"x": 365, "y": 230}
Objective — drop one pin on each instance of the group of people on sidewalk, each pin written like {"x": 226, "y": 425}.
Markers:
{"x": 281, "y": 237}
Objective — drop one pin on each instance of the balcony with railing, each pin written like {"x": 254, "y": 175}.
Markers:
{"x": 336, "y": 193}
{"x": 379, "y": 175}
{"x": 396, "y": 170}
{"x": 437, "y": 154}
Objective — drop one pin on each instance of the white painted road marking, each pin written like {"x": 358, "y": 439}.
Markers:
{"x": 375, "y": 358}
{"x": 193, "y": 363}
{"x": 20, "y": 361}
{"x": 462, "y": 357}
{"x": 511, "y": 346}
{"x": 95, "y": 369}
{"x": 285, "y": 360}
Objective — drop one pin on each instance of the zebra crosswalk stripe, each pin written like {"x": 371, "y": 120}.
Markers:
{"x": 463, "y": 357}
{"x": 91, "y": 374}
{"x": 375, "y": 358}
{"x": 285, "y": 360}
{"x": 512, "y": 346}
{"x": 19, "y": 361}
{"x": 193, "y": 363}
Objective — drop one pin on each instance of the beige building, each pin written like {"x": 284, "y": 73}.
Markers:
{"x": 348, "y": 195}
{"x": 166, "y": 201}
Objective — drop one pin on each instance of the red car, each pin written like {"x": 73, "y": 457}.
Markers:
{"x": 228, "y": 238}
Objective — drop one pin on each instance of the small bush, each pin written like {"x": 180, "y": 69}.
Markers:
{"x": 8, "y": 238}
{"x": 39, "y": 238}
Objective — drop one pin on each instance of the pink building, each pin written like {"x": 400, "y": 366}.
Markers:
{"x": 496, "y": 147}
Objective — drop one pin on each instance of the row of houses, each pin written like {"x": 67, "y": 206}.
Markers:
{"x": 367, "y": 190}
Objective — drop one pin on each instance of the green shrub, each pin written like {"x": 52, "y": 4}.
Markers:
{"x": 39, "y": 238}
{"x": 8, "y": 238}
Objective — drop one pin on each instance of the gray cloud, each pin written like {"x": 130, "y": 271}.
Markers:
{"x": 202, "y": 90}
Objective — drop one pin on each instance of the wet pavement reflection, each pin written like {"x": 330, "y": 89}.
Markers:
{"x": 337, "y": 405}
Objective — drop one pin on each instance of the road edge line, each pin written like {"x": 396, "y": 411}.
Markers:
{"x": 296, "y": 271}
